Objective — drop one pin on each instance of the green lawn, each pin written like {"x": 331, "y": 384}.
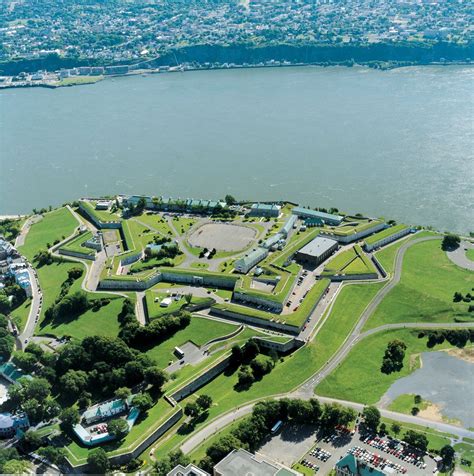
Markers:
{"x": 425, "y": 292}
{"x": 155, "y": 310}
{"x": 55, "y": 225}
{"x": 436, "y": 439}
{"x": 183, "y": 225}
{"x": 470, "y": 254}
{"x": 351, "y": 261}
{"x": 386, "y": 255}
{"x": 404, "y": 403}
{"x": 104, "y": 322}
{"x": 76, "y": 244}
{"x": 144, "y": 427}
{"x": 20, "y": 314}
{"x": 199, "y": 331}
{"x": 156, "y": 222}
{"x": 466, "y": 452}
{"x": 359, "y": 379}
{"x": 295, "y": 368}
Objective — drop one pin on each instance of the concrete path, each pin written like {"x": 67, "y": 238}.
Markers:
{"x": 20, "y": 239}
{"x": 458, "y": 256}
{"x": 35, "y": 311}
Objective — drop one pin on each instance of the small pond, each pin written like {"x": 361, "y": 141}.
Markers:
{"x": 444, "y": 380}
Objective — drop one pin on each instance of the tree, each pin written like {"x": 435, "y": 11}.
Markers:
{"x": 4, "y": 303}
{"x": 204, "y": 402}
{"x": 230, "y": 200}
{"x": 53, "y": 454}
{"x": 15, "y": 466}
{"x": 26, "y": 361}
{"x": 118, "y": 428}
{"x": 450, "y": 242}
{"x": 396, "y": 428}
{"x": 447, "y": 453}
{"x": 143, "y": 402}
{"x": 123, "y": 393}
{"x": 156, "y": 377}
{"x": 188, "y": 298}
{"x": 417, "y": 399}
{"x": 192, "y": 409}
{"x": 393, "y": 357}
{"x": 250, "y": 350}
{"x": 261, "y": 365}
{"x": 236, "y": 355}
{"x": 31, "y": 440}
{"x": 417, "y": 440}
{"x": 223, "y": 447}
{"x": 371, "y": 417}
{"x": 75, "y": 273}
{"x": 245, "y": 376}
{"x": 69, "y": 417}
{"x": 73, "y": 382}
{"x": 166, "y": 464}
{"x": 98, "y": 461}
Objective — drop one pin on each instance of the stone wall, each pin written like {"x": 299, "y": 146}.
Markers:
{"x": 76, "y": 254}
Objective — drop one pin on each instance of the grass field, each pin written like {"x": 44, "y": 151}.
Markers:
{"x": 104, "y": 322}
{"x": 359, "y": 379}
{"x": 295, "y": 368}
{"x": 349, "y": 262}
{"x": 76, "y": 244}
{"x": 155, "y": 310}
{"x": 466, "y": 452}
{"x": 183, "y": 224}
{"x": 199, "y": 331}
{"x": 404, "y": 403}
{"x": 470, "y": 254}
{"x": 425, "y": 292}
{"x": 20, "y": 314}
{"x": 142, "y": 428}
{"x": 55, "y": 225}
{"x": 386, "y": 255}
{"x": 436, "y": 439}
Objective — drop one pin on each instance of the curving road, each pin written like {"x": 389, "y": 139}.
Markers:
{"x": 306, "y": 390}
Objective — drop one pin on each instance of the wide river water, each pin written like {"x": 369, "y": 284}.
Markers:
{"x": 394, "y": 143}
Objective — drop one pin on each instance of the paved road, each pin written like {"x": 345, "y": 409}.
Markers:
{"x": 20, "y": 239}
{"x": 306, "y": 390}
{"x": 458, "y": 256}
{"x": 35, "y": 309}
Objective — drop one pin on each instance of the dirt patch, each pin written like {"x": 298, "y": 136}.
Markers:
{"x": 466, "y": 354}
{"x": 223, "y": 237}
{"x": 433, "y": 412}
{"x": 415, "y": 362}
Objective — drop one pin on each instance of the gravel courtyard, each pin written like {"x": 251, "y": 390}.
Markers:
{"x": 223, "y": 237}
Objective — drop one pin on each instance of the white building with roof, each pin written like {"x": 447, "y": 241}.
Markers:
{"x": 245, "y": 264}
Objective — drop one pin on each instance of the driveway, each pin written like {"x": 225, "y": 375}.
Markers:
{"x": 458, "y": 256}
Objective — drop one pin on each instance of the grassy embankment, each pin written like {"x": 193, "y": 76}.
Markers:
{"x": 426, "y": 288}
{"x": 359, "y": 377}
{"x": 295, "y": 368}
{"x": 350, "y": 262}
{"x": 79, "y": 80}
{"x": 56, "y": 225}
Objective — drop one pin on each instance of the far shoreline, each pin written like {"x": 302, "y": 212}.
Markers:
{"x": 183, "y": 69}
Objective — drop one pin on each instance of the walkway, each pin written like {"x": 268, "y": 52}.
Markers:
{"x": 459, "y": 258}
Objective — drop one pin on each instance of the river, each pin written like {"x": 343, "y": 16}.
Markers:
{"x": 397, "y": 143}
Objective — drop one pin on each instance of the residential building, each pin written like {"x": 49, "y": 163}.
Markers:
{"x": 245, "y": 264}
{"x": 241, "y": 462}
{"x": 327, "y": 218}
{"x": 266, "y": 210}
{"x": 351, "y": 466}
{"x": 316, "y": 251}
{"x": 189, "y": 470}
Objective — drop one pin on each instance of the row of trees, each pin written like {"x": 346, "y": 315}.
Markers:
{"x": 250, "y": 433}
{"x": 7, "y": 341}
{"x": 456, "y": 337}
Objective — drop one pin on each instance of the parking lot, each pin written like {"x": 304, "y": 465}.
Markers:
{"x": 382, "y": 453}
{"x": 301, "y": 444}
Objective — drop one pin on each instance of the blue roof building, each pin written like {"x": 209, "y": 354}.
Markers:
{"x": 351, "y": 466}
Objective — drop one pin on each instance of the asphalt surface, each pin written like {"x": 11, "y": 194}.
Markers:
{"x": 35, "y": 310}
{"x": 458, "y": 256}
